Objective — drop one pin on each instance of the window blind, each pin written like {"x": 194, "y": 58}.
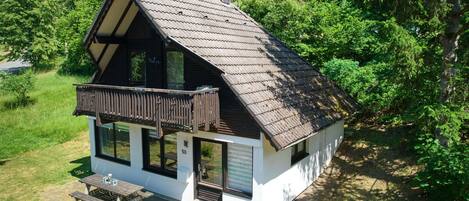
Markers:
{"x": 240, "y": 168}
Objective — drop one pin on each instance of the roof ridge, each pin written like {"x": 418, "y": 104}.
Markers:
{"x": 221, "y": 15}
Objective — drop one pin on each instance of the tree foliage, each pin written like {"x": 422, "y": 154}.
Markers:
{"x": 40, "y": 31}
{"x": 74, "y": 26}
{"x": 28, "y": 29}
{"x": 397, "y": 58}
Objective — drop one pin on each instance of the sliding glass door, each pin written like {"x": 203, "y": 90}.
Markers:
{"x": 222, "y": 167}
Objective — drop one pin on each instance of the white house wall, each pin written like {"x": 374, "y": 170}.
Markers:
{"x": 273, "y": 176}
{"x": 181, "y": 188}
{"x": 281, "y": 181}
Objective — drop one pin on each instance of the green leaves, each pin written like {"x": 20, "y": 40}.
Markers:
{"x": 445, "y": 175}
{"x": 17, "y": 85}
{"x": 28, "y": 29}
{"x": 318, "y": 30}
{"x": 389, "y": 56}
{"x": 39, "y": 31}
{"x": 74, "y": 26}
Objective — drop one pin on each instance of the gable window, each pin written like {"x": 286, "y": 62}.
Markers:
{"x": 113, "y": 143}
{"x": 137, "y": 67}
{"x": 298, "y": 152}
{"x": 175, "y": 70}
{"x": 160, "y": 154}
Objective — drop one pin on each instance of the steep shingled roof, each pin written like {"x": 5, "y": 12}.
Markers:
{"x": 288, "y": 98}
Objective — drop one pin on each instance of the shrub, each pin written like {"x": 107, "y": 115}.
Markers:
{"x": 445, "y": 175}
{"x": 444, "y": 156}
{"x": 18, "y": 86}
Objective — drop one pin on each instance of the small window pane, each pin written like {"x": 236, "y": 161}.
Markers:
{"x": 122, "y": 142}
{"x": 137, "y": 66}
{"x": 211, "y": 163}
{"x": 170, "y": 148}
{"x": 175, "y": 70}
{"x": 106, "y": 140}
{"x": 154, "y": 148}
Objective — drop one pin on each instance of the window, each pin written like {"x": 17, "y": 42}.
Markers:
{"x": 239, "y": 177}
{"x": 137, "y": 67}
{"x": 175, "y": 70}
{"x": 298, "y": 152}
{"x": 160, "y": 154}
{"x": 112, "y": 143}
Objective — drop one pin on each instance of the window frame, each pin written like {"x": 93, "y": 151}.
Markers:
{"x": 161, "y": 170}
{"x": 98, "y": 150}
{"x": 298, "y": 155}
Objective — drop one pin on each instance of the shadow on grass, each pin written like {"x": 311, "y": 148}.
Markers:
{"x": 3, "y": 161}
{"x": 371, "y": 164}
{"x": 15, "y": 104}
{"x": 83, "y": 170}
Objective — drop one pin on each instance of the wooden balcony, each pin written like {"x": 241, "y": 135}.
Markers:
{"x": 160, "y": 108}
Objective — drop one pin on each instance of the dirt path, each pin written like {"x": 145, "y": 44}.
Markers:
{"x": 371, "y": 164}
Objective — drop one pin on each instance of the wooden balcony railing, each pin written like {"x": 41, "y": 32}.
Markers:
{"x": 160, "y": 108}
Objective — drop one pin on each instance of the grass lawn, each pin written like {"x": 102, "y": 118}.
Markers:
{"x": 32, "y": 175}
{"x": 46, "y": 122}
{"x": 43, "y": 145}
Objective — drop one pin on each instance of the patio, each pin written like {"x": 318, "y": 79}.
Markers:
{"x": 62, "y": 192}
{"x": 100, "y": 187}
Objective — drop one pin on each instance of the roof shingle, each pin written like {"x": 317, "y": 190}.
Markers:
{"x": 287, "y": 97}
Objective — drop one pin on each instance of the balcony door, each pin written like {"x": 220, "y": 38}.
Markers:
{"x": 209, "y": 165}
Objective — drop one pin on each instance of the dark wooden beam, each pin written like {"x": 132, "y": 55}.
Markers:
{"x": 121, "y": 19}
{"x": 110, "y": 40}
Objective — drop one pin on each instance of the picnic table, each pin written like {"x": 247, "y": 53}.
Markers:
{"x": 122, "y": 189}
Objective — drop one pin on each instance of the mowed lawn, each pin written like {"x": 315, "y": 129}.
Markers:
{"x": 42, "y": 144}
{"x": 46, "y": 122}
{"x": 45, "y": 174}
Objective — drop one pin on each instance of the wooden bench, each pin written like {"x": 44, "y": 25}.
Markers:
{"x": 84, "y": 197}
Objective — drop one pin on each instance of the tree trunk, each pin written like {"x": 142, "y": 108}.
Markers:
{"x": 449, "y": 42}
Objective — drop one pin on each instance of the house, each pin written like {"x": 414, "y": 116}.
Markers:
{"x": 193, "y": 99}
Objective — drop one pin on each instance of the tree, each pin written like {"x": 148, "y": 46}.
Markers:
{"x": 28, "y": 29}
{"x": 73, "y": 28}
{"x": 407, "y": 59}
{"x": 454, "y": 27}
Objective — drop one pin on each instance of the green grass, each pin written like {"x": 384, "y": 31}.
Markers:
{"x": 46, "y": 122}
{"x": 46, "y": 174}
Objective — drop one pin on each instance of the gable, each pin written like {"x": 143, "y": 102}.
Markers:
{"x": 114, "y": 19}
{"x": 288, "y": 99}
